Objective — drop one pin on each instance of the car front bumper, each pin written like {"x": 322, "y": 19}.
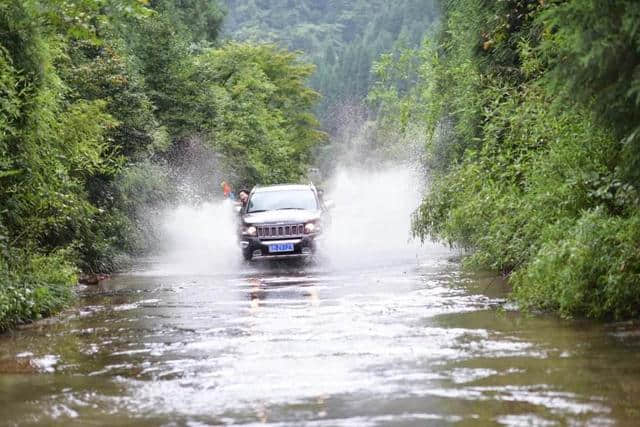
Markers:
{"x": 302, "y": 247}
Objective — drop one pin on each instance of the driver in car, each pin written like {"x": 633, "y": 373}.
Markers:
{"x": 243, "y": 197}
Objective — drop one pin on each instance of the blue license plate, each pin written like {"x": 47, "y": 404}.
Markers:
{"x": 281, "y": 247}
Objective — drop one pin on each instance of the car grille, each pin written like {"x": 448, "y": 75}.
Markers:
{"x": 280, "y": 231}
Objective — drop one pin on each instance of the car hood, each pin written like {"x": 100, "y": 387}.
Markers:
{"x": 281, "y": 216}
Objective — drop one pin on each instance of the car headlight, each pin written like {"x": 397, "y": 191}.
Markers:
{"x": 250, "y": 231}
{"x": 310, "y": 228}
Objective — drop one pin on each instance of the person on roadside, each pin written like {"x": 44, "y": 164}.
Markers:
{"x": 227, "y": 192}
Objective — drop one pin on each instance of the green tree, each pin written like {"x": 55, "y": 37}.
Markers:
{"x": 51, "y": 144}
{"x": 201, "y": 20}
{"x": 257, "y": 110}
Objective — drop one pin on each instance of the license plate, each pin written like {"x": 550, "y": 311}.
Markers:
{"x": 281, "y": 247}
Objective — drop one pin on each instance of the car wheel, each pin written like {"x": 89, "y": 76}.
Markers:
{"x": 247, "y": 255}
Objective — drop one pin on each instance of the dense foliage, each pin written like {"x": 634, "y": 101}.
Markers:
{"x": 262, "y": 123}
{"x": 342, "y": 38}
{"x": 52, "y": 144}
{"x": 100, "y": 105}
{"x": 532, "y": 115}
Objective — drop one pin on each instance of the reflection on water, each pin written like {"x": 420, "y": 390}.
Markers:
{"x": 414, "y": 343}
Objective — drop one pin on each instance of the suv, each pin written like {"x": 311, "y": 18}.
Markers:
{"x": 281, "y": 221}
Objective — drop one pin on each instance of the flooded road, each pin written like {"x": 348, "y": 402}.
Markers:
{"x": 411, "y": 342}
{"x": 379, "y": 331}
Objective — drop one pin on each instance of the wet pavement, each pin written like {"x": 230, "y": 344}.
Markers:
{"x": 413, "y": 342}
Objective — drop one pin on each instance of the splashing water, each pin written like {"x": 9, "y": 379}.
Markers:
{"x": 200, "y": 239}
{"x": 370, "y": 226}
{"x": 371, "y": 221}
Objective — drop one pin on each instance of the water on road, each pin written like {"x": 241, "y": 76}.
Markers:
{"x": 415, "y": 343}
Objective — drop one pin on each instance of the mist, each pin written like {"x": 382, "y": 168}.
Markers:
{"x": 371, "y": 221}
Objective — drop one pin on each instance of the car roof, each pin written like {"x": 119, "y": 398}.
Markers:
{"x": 282, "y": 187}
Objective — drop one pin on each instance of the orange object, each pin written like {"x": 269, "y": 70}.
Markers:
{"x": 226, "y": 188}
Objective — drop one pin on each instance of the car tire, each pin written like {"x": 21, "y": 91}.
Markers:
{"x": 247, "y": 255}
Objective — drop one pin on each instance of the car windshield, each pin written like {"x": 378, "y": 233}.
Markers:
{"x": 284, "y": 199}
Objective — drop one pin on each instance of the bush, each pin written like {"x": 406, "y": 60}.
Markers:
{"x": 587, "y": 267}
{"x": 32, "y": 287}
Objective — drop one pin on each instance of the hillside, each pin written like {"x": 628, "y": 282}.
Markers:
{"x": 342, "y": 38}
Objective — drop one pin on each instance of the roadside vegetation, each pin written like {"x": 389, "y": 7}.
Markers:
{"x": 101, "y": 106}
{"x": 532, "y": 115}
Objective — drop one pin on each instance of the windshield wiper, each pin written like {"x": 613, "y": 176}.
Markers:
{"x": 284, "y": 209}
{"x": 257, "y": 210}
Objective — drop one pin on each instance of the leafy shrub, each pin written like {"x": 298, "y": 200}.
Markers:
{"x": 585, "y": 267}
{"x": 32, "y": 287}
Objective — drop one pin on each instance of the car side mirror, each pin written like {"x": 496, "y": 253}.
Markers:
{"x": 329, "y": 204}
{"x": 238, "y": 208}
